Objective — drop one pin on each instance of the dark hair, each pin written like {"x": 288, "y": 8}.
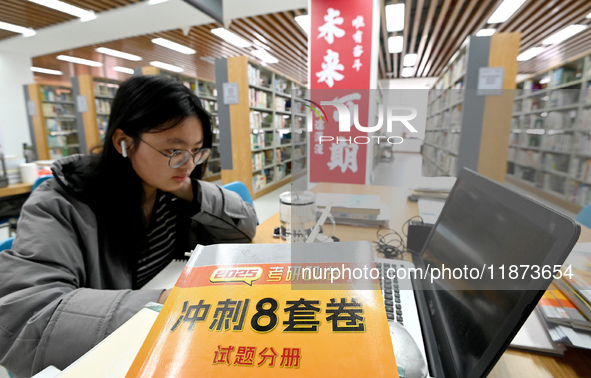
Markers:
{"x": 143, "y": 104}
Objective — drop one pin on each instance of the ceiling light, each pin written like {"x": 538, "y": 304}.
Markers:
{"x": 409, "y": 60}
{"x": 528, "y": 54}
{"x": 153, "y": 2}
{"x": 485, "y": 32}
{"x": 504, "y": 11}
{"x": 588, "y": 16}
{"x": 73, "y": 59}
{"x": 26, "y": 32}
{"x": 395, "y": 17}
{"x": 118, "y": 54}
{"x": 124, "y": 70}
{"x": 264, "y": 56}
{"x": 407, "y": 72}
{"x": 230, "y": 37}
{"x": 166, "y": 66}
{"x": 173, "y": 46}
{"x": 564, "y": 34}
{"x": 304, "y": 22}
{"x": 84, "y": 15}
{"x": 395, "y": 44}
{"x": 46, "y": 71}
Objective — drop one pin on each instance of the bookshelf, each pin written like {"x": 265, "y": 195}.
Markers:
{"x": 464, "y": 128}
{"x": 550, "y": 142}
{"x": 52, "y": 120}
{"x": 96, "y": 97}
{"x": 263, "y": 134}
{"x": 207, "y": 93}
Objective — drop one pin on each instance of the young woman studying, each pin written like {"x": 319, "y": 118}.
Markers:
{"x": 107, "y": 223}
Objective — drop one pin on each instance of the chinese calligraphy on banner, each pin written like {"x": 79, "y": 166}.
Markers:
{"x": 342, "y": 68}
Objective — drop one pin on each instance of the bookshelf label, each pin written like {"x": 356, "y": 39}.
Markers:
{"x": 82, "y": 103}
{"x": 230, "y": 93}
{"x": 490, "y": 81}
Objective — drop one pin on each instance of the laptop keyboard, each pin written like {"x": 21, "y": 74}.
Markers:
{"x": 399, "y": 298}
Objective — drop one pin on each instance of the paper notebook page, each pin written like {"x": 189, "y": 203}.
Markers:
{"x": 167, "y": 277}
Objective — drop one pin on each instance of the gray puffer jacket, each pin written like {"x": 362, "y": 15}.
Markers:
{"x": 61, "y": 293}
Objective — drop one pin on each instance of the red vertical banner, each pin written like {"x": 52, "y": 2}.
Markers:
{"x": 343, "y": 61}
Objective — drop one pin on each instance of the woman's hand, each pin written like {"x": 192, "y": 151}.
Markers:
{"x": 185, "y": 191}
{"x": 164, "y": 296}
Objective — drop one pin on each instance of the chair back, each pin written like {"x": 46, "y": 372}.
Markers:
{"x": 584, "y": 216}
{"x": 6, "y": 243}
{"x": 242, "y": 190}
{"x": 40, "y": 180}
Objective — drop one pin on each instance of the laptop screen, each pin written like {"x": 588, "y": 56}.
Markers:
{"x": 484, "y": 230}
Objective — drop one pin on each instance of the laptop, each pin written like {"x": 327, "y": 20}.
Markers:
{"x": 494, "y": 240}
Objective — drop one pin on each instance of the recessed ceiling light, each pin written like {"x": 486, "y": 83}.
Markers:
{"x": 26, "y": 32}
{"x": 485, "y": 32}
{"x": 395, "y": 17}
{"x": 504, "y": 11}
{"x": 83, "y": 14}
{"x": 230, "y": 37}
{"x": 407, "y": 72}
{"x": 154, "y": 2}
{"x": 409, "y": 60}
{"x": 588, "y": 16}
{"x": 173, "y": 46}
{"x": 118, "y": 54}
{"x": 395, "y": 44}
{"x": 124, "y": 70}
{"x": 304, "y": 22}
{"x": 73, "y": 59}
{"x": 46, "y": 71}
{"x": 564, "y": 34}
{"x": 166, "y": 66}
{"x": 528, "y": 54}
{"x": 264, "y": 56}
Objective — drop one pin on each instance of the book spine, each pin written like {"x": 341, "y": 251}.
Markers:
{"x": 569, "y": 292}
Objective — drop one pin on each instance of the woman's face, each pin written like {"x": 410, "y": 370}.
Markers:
{"x": 152, "y": 167}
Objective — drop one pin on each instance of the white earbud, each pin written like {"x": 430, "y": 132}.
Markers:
{"x": 123, "y": 149}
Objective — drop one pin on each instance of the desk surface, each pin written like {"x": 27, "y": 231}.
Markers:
{"x": 14, "y": 189}
{"x": 513, "y": 363}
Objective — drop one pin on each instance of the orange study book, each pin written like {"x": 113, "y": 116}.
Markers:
{"x": 250, "y": 310}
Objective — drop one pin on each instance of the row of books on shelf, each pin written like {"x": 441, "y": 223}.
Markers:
{"x": 55, "y": 94}
{"x": 259, "y": 99}
{"x": 524, "y": 157}
{"x": 261, "y": 140}
{"x": 581, "y": 169}
{"x": 102, "y": 106}
{"x": 207, "y": 89}
{"x": 258, "y": 78}
{"x": 579, "y": 193}
{"x": 444, "y": 161}
{"x": 270, "y": 175}
{"x": 57, "y": 110}
{"x": 105, "y": 90}
{"x": 210, "y": 106}
{"x": 262, "y": 159}
{"x": 444, "y": 139}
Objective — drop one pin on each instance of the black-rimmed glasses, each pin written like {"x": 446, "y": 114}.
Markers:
{"x": 180, "y": 157}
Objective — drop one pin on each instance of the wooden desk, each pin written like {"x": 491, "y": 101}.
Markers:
{"x": 15, "y": 189}
{"x": 513, "y": 363}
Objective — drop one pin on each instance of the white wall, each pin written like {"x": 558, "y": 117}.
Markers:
{"x": 14, "y": 126}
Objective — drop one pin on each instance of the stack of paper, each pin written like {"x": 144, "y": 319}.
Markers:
{"x": 432, "y": 187}
{"x": 355, "y": 209}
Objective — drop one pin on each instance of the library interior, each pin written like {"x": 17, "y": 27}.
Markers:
{"x": 474, "y": 169}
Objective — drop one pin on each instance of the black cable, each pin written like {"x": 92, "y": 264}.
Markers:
{"x": 391, "y": 244}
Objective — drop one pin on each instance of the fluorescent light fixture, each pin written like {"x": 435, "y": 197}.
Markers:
{"x": 153, "y": 2}
{"x": 26, "y": 32}
{"x": 530, "y": 53}
{"x": 118, "y": 54}
{"x": 395, "y": 44}
{"x": 504, "y": 11}
{"x": 264, "y": 56}
{"x": 173, "y": 46}
{"x": 304, "y": 22}
{"x": 545, "y": 80}
{"x": 588, "y": 16}
{"x": 73, "y": 59}
{"x": 83, "y": 14}
{"x": 395, "y": 17}
{"x": 230, "y": 37}
{"x": 409, "y": 60}
{"x": 564, "y": 34}
{"x": 485, "y": 32}
{"x": 46, "y": 71}
{"x": 123, "y": 69}
{"x": 407, "y": 72}
{"x": 166, "y": 66}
